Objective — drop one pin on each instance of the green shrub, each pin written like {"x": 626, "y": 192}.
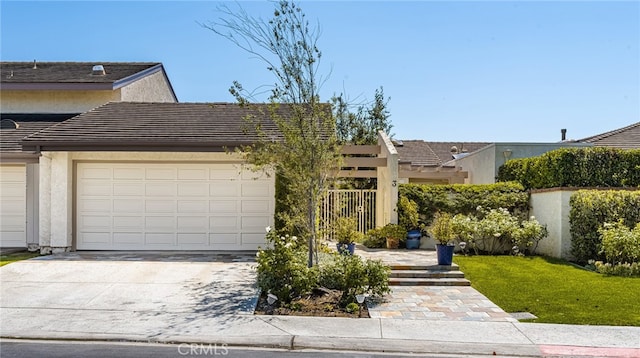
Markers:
{"x": 375, "y": 239}
{"x": 352, "y": 275}
{"x": 345, "y": 230}
{"x": 575, "y": 167}
{"x": 590, "y": 209}
{"x": 465, "y": 199}
{"x": 282, "y": 268}
{"x": 619, "y": 243}
{"x": 408, "y": 216}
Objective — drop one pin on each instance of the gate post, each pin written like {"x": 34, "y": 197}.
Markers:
{"x": 387, "y": 197}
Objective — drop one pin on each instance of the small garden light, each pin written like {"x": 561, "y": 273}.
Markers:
{"x": 271, "y": 299}
{"x": 360, "y": 298}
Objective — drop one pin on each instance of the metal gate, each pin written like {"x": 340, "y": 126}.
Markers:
{"x": 359, "y": 204}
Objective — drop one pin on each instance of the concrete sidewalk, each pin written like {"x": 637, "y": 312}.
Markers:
{"x": 290, "y": 332}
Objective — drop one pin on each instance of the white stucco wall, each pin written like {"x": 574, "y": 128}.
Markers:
{"x": 55, "y": 101}
{"x": 57, "y": 187}
{"x": 480, "y": 165}
{"x": 152, "y": 88}
{"x": 551, "y": 208}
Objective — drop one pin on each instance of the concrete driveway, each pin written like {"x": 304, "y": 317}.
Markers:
{"x": 99, "y": 292}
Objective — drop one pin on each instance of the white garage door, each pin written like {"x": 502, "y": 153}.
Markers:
{"x": 145, "y": 206}
{"x": 13, "y": 205}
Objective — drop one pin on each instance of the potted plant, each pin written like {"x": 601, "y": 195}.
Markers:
{"x": 410, "y": 219}
{"x": 346, "y": 235}
{"x": 394, "y": 233}
{"x": 443, "y": 233}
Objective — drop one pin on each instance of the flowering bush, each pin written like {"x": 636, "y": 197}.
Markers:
{"x": 624, "y": 269}
{"x": 498, "y": 231}
{"x": 619, "y": 243}
{"x": 282, "y": 268}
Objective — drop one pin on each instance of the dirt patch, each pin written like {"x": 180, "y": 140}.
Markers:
{"x": 319, "y": 303}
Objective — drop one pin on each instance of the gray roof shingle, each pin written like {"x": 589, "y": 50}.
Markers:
{"x": 157, "y": 126}
{"x": 624, "y": 138}
{"x": 423, "y": 153}
{"x": 10, "y": 139}
{"x": 70, "y": 72}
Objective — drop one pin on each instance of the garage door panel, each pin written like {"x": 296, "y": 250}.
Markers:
{"x": 128, "y": 173}
{"x": 94, "y": 205}
{"x": 89, "y": 237}
{"x": 255, "y": 189}
{"x": 160, "y": 189}
{"x": 224, "y": 224}
{"x": 225, "y": 173}
{"x": 128, "y": 205}
{"x": 200, "y": 174}
{"x": 193, "y": 189}
{"x": 160, "y": 206}
{"x": 223, "y": 206}
{"x": 254, "y": 224}
{"x": 193, "y": 238}
{"x": 253, "y": 238}
{"x": 161, "y": 173}
{"x": 160, "y": 223}
{"x": 222, "y": 238}
{"x": 95, "y": 188}
{"x": 165, "y": 206}
{"x": 193, "y": 224}
{"x": 224, "y": 189}
{"x": 128, "y": 238}
{"x": 13, "y": 206}
{"x": 94, "y": 173}
{"x": 193, "y": 206}
{"x": 128, "y": 189}
{"x": 255, "y": 206}
{"x": 163, "y": 239}
{"x": 96, "y": 222}
{"x": 128, "y": 223}
{"x": 12, "y": 223}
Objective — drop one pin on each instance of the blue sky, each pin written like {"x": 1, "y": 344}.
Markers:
{"x": 455, "y": 71}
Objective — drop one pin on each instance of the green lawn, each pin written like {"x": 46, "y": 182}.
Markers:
{"x": 554, "y": 290}
{"x": 17, "y": 256}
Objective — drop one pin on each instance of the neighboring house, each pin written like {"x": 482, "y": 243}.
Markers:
{"x": 624, "y": 138}
{"x": 37, "y": 95}
{"x": 423, "y": 162}
{"x": 153, "y": 176}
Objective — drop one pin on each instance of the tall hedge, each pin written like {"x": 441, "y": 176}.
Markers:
{"x": 575, "y": 167}
{"x": 464, "y": 199}
{"x": 590, "y": 209}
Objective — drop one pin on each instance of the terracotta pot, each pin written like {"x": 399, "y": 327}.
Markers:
{"x": 393, "y": 243}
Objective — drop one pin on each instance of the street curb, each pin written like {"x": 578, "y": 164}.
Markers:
{"x": 289, "y": 342}
{"x": 412, "y": 346}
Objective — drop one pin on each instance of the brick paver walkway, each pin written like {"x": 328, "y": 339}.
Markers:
{"x": 461, "y": 303}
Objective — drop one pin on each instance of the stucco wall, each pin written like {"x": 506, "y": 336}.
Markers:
{"x": 483, "y": 165}
{"x": 153, "y": 88}
{"x": 55, "y": 101}
{"x": 57, "y": 187}
{"x": 551, "y": 208}
{"x": 480, "y": 166}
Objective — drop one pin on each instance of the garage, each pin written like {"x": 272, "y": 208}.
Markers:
{"x": 171, "y": 206}
{"x": 13, "y": 202}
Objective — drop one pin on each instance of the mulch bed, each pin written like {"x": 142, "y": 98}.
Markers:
{"x": 321, "y": 303}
